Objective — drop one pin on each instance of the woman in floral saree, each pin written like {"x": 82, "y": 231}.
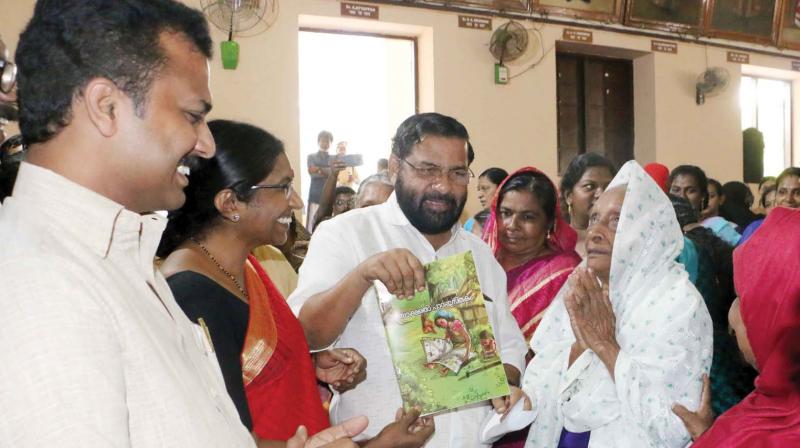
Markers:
{"x": 535, "y": 246}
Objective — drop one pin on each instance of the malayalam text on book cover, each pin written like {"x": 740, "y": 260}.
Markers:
{"x": 442, "y": 344}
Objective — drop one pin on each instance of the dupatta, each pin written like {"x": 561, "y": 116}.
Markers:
{"x": 562, "y": 238}
{"x": 280, "y": 382}
{"x": 662, "y": 326}
{"x": 533, "y": 285}
{"x": 767, "y": 279}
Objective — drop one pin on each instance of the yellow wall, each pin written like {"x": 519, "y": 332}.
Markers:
{"x": 512, "y": 125}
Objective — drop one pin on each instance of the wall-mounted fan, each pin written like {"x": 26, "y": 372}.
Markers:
{"x": 236, "y": 17}
{"x": 509, "y": 41}
{"x": 710, "y": 83}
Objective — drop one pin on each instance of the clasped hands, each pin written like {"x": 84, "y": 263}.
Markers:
{"x": 591, "y": 317}
{"x": 342, "y": 368}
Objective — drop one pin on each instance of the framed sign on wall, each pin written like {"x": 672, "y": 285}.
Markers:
{"x": 789, "y": 31}
{"x": 605, "y": 10}
{"x": 666, "y": 15}
{"x": 497, "y": 5}
{"x": 745, "y": 20}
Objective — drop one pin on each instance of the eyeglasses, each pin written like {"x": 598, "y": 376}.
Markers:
{"x": 287, "y": 188}
{"x": 460, "y": 176}
{"x": 340, "y": 202}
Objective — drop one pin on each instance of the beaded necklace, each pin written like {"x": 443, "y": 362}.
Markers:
{"x": 219, "y": 266}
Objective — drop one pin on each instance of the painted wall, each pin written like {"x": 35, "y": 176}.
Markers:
{"x": 512, "y": 125}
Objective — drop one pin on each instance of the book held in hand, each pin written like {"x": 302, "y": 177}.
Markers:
{"x": 442, "y": 344}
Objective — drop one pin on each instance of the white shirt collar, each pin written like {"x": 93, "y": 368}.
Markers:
{"x": 88, "y": 217}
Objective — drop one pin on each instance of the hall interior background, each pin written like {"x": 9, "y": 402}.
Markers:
{"x": 511, "y": 125}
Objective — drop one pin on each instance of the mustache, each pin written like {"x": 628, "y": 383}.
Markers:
{"x": 193, "y": 162}
{"x": 448, "y": 198}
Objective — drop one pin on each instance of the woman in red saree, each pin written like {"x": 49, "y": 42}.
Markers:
{"x": 237, "y": 201}
{"x": 535, "y": 246}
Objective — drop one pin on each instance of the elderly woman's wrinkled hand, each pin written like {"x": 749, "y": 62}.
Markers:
{"x": 591, "y": 316}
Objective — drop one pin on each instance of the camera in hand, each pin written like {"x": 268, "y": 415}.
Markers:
{"x": 350, "y": 159}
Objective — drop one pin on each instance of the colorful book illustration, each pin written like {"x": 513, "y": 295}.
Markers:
{"x": 442, "y": 343}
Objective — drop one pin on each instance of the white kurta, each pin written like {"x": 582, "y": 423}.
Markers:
{"x": 94, "y": 351}
{"x": 663, "y": 328}
{"x": 336, "y": 248}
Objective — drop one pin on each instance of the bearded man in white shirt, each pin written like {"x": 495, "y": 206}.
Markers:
{"x": 390, "y": 242}
{"x": 94, "y": 350}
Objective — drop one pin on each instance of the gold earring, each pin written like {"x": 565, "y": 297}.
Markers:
{"x": 569, "y": 209}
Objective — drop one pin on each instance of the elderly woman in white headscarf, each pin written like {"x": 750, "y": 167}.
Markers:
{"x": 628, "y": 335}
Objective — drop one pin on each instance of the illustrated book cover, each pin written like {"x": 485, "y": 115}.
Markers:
{"x": 442, "y": 343}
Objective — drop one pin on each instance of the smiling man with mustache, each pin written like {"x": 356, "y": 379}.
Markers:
{"x": 390, "y": 242}
{"x": 95, "y": 351}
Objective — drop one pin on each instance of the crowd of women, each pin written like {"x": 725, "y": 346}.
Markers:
{"x": 630, "y": 288}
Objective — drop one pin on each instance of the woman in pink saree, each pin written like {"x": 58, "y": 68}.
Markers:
{"x": 535, "y": 246}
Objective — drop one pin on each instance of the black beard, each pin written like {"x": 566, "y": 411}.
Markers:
{"x": 428, "y": 223}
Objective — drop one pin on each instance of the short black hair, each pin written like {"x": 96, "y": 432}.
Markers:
{"x": 716, "y": 185}
{"x": 579, "y": 165}
{"x": 482, "y": 216}
{"x": 792, "y": 171}
{"x": 69, "y": 42}
{"x": 766, "y": 179}
{"x": 12, "y": 152}
{"x": 537, "y": 183}
{"x": 383, "y": 164}
{"x": 738, "y": 193}
{"x": 325, "y": 134}
{"x": 494, "y": 174}
{"x": 763, "y": 199}
{"x": 343, "y": 190}
{"x": 690, "y": 170}
{"x": 414, "y": 128}
{"x": 245, "y": 156}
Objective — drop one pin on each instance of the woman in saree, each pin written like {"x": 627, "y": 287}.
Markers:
{"x": 766, "y": 322}
{"x": 627, "y": 336}
{"x": 241, "y": 199}
{"x": 536, "y": 249}
{"x": 533, "y": 244}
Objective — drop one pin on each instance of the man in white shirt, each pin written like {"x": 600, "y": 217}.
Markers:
{"x": 94, "y": 350}
{"x": 390, "y": 242}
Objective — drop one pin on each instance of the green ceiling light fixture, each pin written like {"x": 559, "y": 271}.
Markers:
{"x": 243, "y": 18}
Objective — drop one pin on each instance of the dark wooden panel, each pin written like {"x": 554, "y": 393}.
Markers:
{"x": 595, "y": 108}
{"x": 569, "y": 81}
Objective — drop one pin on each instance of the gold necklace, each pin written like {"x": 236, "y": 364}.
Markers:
{"x": 208, "y": 255}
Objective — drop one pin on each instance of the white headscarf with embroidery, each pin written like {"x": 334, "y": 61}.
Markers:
{"x": 663, "y": 329}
